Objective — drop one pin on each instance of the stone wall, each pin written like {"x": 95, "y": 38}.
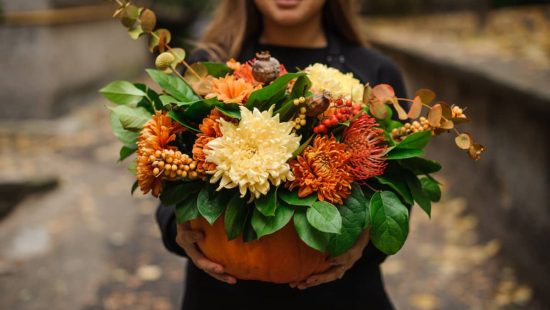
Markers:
{"x": 508, "y": 189}
{"x": 45, "y": 69}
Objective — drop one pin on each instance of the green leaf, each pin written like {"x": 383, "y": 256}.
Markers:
{"x": 325, "y": 217}
{"x": 126, "y": 151}
{"x": 211, "y": 204}
{"x": 355, "y": 215}
{"x": 404, "y": 153}
{"x": 167, "y": 100}
{"x": 236, "y": 114}
{"x": 198, "y": 110}
{"x": 292, "y": 198}
{"x": 217, "y": 69}
{"x": 269, "y": 95}
{"x": 178, "y": 117}
{"x": 187, "y": 210}
{"x": 134, "y": 187}
{"x": 174, "y": 86}
{"x": 417, "y": 140}
{"x": 399, "y": 184}
{"x": 128, "y": 138}
{"x": 266, "y": 225}
{"x": 131, "y": 118}
{"x": 267, "y": 204}
{"x": 301, "y": 86}
{"x": 418, "y": 194}
{"x": 122, "y": 92}
{"x": 419, "y": 165}
{"x": 132, "y": 167}
{"x": 248, "y": 232}
{"x": 390, "y": 222}
{"x": 431, "y": 188}
{"x": 175, "y": 193}
{"x": 308, "y": 234}
{"x": 235, "y": 216}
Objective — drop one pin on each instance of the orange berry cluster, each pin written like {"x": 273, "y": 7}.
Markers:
{"x": 344, "y": 111}
{"x": 407, "y": 129}
{"x": 172, "y": 164}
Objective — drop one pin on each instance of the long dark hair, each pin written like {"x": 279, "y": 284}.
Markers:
{"x": 239, "y": 21}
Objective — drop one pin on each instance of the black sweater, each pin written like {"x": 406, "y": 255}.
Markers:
{"x": 362, "y": 286}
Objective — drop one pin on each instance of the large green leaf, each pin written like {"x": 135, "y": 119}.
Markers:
{"x": 217, "y": 69}
{"x": 418, "y": 194}
{"x": 325, "y": 217}
{"x": 235, "y": 216}
{"x": 199, "y": 109}
{"x": 355, "y": 214}
{"x": 398, "y": 183}
{"x": 431, "y": 188}
{"x": 128, "y": 138}
{"x": 308, "y": 234}
{"x": 178, "y": 117}
{"x": 269, "y": 95}
{"x": 417, "y": 140}
{"x": 301, "y": 86}
{"x": 131, "y": 118}
{"x": 175, "y": 193}
{"x": 211, "y": 203}
{"x": 292, "y": 198}
{"x": 187, "y": 210}
{"x": 267, "y": 204}
{"x": 174, "y": 86}
{"x": 122, "y": 92}
{"x": 396, "y": 153}
{"x": 151, "y": 102}
{"x": 125, "y": 152}
{"x": 419, "y": 165}
{"x": 390, "y": 222}
{"x": 236, "y": 114}
{"x": 265, "y": 225}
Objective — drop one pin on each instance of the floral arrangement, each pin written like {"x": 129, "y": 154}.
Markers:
{"x": 256, "y": 151}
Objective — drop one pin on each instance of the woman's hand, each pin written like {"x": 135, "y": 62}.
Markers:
{"x": 340, "y": 264}
{"x": 186, "y": 238}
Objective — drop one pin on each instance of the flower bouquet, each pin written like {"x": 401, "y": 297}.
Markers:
{"x": 280, "y": 170}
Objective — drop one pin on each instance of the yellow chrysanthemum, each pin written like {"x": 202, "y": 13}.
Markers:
{"x": 252, "y": 154}
{"x": 336, "y": 82}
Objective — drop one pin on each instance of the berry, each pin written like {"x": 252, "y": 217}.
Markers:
{"x": 339, "y": 102}
{"x": 349, "y": 103}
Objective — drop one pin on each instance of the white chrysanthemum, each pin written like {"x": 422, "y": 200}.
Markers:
{"x": 254, "y": 153}
{"x": 336, "y": 82}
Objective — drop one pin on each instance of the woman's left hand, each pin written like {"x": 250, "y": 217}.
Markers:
{"x": 340, "y": 264}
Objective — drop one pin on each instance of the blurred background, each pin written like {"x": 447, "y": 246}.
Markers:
{"x": 72, "y": 237}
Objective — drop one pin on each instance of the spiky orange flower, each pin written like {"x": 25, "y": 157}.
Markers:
{"x": 323, "y": 168}
{"x": 365, "y": 141}
{"x": 210, "y": 129}
{"x": 231, "y": 89}
{"x": 154, "y": 139}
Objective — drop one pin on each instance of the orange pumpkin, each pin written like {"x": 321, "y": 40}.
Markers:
{"x": 278, "y": 258}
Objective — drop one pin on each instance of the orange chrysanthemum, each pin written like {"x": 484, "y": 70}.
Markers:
{"x": 210, "y": 129}
{"x": 323, "y": 168}
{"x": 231, "y": 89}
{"x": 155, "y": 138}
{"x": 365, "y": 142}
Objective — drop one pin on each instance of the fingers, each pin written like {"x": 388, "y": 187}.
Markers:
{"x": 330, "y": 275}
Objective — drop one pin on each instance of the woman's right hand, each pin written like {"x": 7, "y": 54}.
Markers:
{"x": 187, "y": 239}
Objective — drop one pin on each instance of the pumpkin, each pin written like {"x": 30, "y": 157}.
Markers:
{"x": 278, "y": 258}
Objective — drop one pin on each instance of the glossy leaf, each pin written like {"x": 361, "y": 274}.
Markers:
{"x": 308, "y": 234}
{"x": 267, "y": 204}
{"x": 292, "y": 198}
{"x": 131, "y": 118}
{"x": 325, "y": 217}
{"x": 266, "y": 225}
{"x": 300, "y": 87}
{"x": 217, "y": 69}
{"x": 187, "y": 210}
{"x": 399, "y": 184}
{"x": 125, "y": 152}
{"x": 354, "y": 213}
{"x": 134, "y": 187}
{"x": 198, "y": 110}
{"x": 235, "y": 216}
{"x": 178, "y": 117}
{"x": 419, "y": 165}
{"x": 395, "y": 154}
{"x": 211, "y": 203}
{"x": 390, "y": 222}
{"x": 417, "y": 140}
{"x": 431, "y": 188}
{"x": 174, "y": 86}
{"x": 269, "y": 95}
{"x": 175, "y": 193}
{"x": 128, "y": 138}
{"x": 418, "y": 194}
{"x": 122, "y": 92}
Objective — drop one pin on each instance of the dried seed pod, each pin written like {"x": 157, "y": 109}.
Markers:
{"x": 164, "y": 60}
{"x": 265, "y": 68}
{"x": 317, "y": 104}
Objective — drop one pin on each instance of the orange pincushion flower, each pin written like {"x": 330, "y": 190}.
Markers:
{"x": 365, "y": 142}
{"x": 323, "y": 168}
{"x": 231, "y": 89}
{"x": 153, "y": 140}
